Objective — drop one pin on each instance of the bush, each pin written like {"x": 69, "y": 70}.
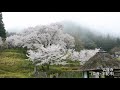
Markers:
{"x": 71, "y": 74}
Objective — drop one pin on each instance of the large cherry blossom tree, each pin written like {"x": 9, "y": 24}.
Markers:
{"x": 46, "y": 44}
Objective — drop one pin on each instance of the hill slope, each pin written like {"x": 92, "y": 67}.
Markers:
{"x": 14, "y": 65}
{"x": 90, "y": 39}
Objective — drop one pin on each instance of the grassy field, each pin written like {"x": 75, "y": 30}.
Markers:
{"x": 14, "y": 65}
{"x": 118, "y": 58}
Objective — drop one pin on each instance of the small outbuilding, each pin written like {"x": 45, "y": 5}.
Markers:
{"x": 115, "y": 52}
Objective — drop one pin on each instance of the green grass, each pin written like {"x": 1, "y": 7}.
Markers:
{"x": 118, "y": 58}
{"x": 14, "y": 65}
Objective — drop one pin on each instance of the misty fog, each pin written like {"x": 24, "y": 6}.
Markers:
{"x": 103, "y": 22}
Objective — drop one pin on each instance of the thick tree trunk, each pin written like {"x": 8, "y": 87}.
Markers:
{"x": 48, "y": 67}
{"x": 35, "y": 71}
{"x": 43, "y": 68}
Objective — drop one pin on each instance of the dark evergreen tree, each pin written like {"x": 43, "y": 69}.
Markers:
{"x": 2, "y": 28}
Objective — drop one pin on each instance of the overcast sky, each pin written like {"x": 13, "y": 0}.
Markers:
{"x": 101, "y": 21}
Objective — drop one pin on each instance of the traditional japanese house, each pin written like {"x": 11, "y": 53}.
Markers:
{"x": 101, "y": 65}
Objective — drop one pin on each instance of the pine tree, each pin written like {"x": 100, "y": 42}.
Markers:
{"x": 2, "y": 28}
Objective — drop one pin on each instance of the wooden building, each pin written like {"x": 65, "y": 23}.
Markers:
{"x": 101, "y": 65}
